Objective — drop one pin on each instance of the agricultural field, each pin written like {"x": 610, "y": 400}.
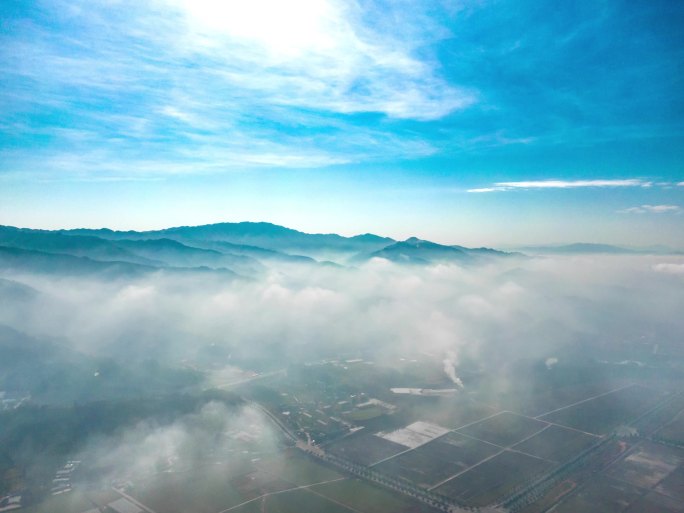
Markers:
{"x": 602, "y": 414}
{"x": 655, "y": 503}
{"x": 436, "y": 461}
{"x": 604, "y": 495}
{"x": 75, "y": 501}
{"x": 673, "y": 431}
{"x": 364, "y": 497}
{"x": 556, "y": 444}
{"x": 295, "y": 501}
{"x": 493, "y": 479}
{"x": 365, "y": 449}
{"x": 647, "y": 465}
{"x": 673, "y": 485}
{"x": 451, "y": 412}
{"x": 661, "y": 416}
{"x": 504, "y": 429}
{"x": 218, "y": 487}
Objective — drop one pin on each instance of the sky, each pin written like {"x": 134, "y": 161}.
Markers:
{"x": 485, "y": 122}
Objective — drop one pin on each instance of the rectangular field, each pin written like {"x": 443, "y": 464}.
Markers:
{"x": 647, "y": 465}
{"x": 605, "y": 413}
{"x": 655, "y": 503}
{"x": 673, "y": 485}
{"x": 217, "y": 487}
{"x": 295, "y": 501}
{"x": 494, "y": 479}
{"x": 415, "y": 434}
{"x": 604, "y": 495}
{"x": 504, "y": 429}
{"x": 673, "y": 431}
{"x": 437, "y": 460}
{"x": 365, "y": 449}
{"x": 556, "y": 444}
{"x": 361, "y": 496}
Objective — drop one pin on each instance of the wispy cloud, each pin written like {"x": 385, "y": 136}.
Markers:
{"x": 187, "y": 86}
{"x": 669, "y": 268}
{"x": 320, "y": 54}
{"x": 652, "y": 209}
{"x": 562, "y": 184}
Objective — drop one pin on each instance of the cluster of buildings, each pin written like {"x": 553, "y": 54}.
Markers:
{"x": 62, "y": 481}
{"x": 10, "y": 502}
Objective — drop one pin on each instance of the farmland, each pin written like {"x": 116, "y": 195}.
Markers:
{"x": 601, "y": 496}
{"x": 602, "y": 414}
{"x": 493, "y": 479}
{"x": 437, "y": 460}
{"x": 504, "y": 429}
{"x": 556, "y": 444}
{"x": 365, "y": 449}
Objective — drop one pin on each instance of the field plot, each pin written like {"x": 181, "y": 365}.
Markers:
{"x": 450, "y": 412}
{"x": 71, "y": 502}
{"x": 655, "y": 420}
{"x": 603, "y": 414}
{"x": 415, "y": 434}
{"x": 555, "y": 395}
{"x": 365, "y": 449}
{"x": 673, "y": 485}
{"x": 647, "y": 465}
{"x": 673, "y": 431}
{"x": 438, "y": 460}
{"x": 504, "y": 429}
{"x": 217, "y": 487}
{"x": 494, "y": 479}
{"x": 205, "y": 491}
{"x": 556, "y": 444}
{"x": 369, "y": 499}
{"x": 295, "y": 501}
{"x": 655, "y": 503}
{"x": 604, "y": 495}
{"x": 297, "y": 468}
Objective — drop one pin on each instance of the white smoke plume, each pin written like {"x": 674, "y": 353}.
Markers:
{"x": 450, "y": 368}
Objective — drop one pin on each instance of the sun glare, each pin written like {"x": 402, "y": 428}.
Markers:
{"x": 282, "y": 29}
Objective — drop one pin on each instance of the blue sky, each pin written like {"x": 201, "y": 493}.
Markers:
{"x": 483, "y": 122}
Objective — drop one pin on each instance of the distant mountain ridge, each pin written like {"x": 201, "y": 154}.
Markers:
{"x": 246, "y": 249}
{"x": 594, "y": 248}
{"x": 260, "y": 235}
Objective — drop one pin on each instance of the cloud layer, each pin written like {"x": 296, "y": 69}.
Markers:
{"x": 652, "y": 209}
{"x": 563, "y": 184}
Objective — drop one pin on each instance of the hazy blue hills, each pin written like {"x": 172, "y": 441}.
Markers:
{"x": 52, "y": 373}
{"x": 250, "y": 235}
{"x": 592, "y": 248}
{"x": 17, "y": 292}
{"x": 417, "y": 251}
{"x": 84, "y": 246}
{"x": 246, "y": 249}
{"x": 20, "y": 260}
{"x": 17, "y": 260}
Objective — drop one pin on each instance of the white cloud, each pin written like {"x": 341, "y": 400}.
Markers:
{"x": 317, "y": 54}
{"x": 562, "y": 184}
{"x": 652, "y": 209}
{"x": 485, "y": 189}
{"x": 669, "y": 268}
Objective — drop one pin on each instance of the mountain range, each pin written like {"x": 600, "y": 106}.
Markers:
{"x": 245, "y": 249}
